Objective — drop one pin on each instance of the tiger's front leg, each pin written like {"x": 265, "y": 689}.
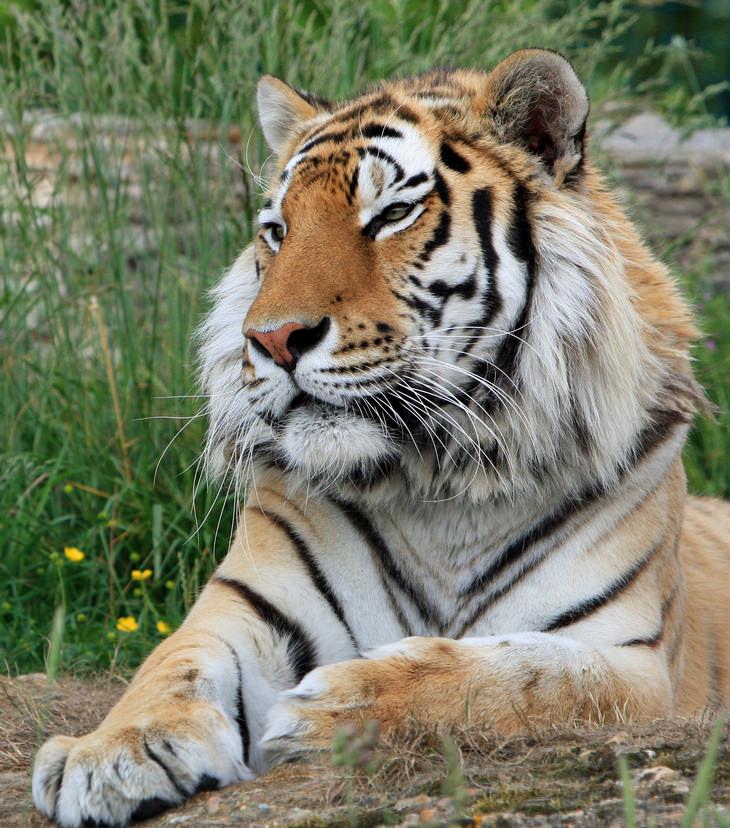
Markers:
{"x": 194, "y": 714}
{"x": 506, "y": 682}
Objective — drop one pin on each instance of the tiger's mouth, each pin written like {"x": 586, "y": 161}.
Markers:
{"x": 304, "y": 398}
{"x": 325, "y": 441}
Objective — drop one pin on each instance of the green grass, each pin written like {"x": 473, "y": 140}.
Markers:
{"x": 100, "y": 293}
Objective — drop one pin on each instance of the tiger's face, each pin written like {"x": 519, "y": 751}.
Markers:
{"x": 378, "y": 304}
{"x": 391, "y": 308}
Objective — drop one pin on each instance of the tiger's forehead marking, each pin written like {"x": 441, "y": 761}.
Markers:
{"x": 382, "y": 158}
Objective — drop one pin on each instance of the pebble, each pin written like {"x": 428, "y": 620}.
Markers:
{"x": 412, "y": 802}
{"x": 213, "y": 804}
{"x": 661, "y": 779}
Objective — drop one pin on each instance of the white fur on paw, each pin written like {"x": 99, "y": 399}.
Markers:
{"x": 312, "y": 686}
{"x": 284, "y": 729}
{"x": 402, "y": 647}
{"x": 48, "y": 772}
{"x": 112, "y": 776}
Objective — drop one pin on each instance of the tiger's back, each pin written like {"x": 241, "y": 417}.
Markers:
{"x": 705, "y": 548}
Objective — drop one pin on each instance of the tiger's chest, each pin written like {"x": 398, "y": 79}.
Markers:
{"x": 445, "y": 570}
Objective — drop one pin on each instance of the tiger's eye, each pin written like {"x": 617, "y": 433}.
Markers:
{"x": 277, "y": 232}
{"x": 397, "y": 212}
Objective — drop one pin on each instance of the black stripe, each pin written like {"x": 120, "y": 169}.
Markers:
{"x": 337, "y": 137}
{"x": 662, "y": 423}
{"x": 429, "y": 311}
{"x": 379, "y": 131}
{"x": 184, "y": 793}
{"x": 414, "y": 180}
{"x": 520, "y": 242}
{"x": 656, "y": 638}
{"x": 300, "y": 648}
{"x": 442, "y": 188}
{"x": 353, "y": 184}
{"x": 647, "y": 440}
{"x": 509, "y": 350}
{"x": 317, "y": 101}
{"x": 406, "y": 114}
{"x": 58, "y": 772}
{"x": 376, "y": 152}
{"x": 312, "y": 567}
{"x": 451, "y": 158}
{"x": 519, "y": 236}
{"x": 465, "y": 289}
{"x": 439, "y": 238}
{"x": 380, "y": 548}
{"x": 482, "y": 214}
{"x": 240, "y": 706}
{"x": 648, "y": 641}
{"x": 396, "y": 607}
{"x": 591, "y": 605}
{"x": 547, "y": 526}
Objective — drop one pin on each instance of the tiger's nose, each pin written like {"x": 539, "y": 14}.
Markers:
{"x": 286, "y": 344}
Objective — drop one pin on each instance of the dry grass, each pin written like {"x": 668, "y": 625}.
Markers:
{"x": 561, "y": 776}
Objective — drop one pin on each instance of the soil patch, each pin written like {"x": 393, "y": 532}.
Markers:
{"x": 559, "y": 777}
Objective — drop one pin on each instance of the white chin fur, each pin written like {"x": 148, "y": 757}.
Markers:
{"x": 320, "y": 441}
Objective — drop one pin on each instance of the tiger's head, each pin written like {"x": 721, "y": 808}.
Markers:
{"x": 440, "y": 292}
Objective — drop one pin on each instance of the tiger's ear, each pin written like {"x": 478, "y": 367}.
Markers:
{"x": 282, "y": 109}
{"x": 536, "y": 100}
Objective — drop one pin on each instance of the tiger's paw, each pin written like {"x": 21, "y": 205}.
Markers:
{"x": 393, "y": 686}
{"x": 126, "y": 771}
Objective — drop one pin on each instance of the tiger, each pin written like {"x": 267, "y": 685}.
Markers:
{"x": 455, "y": 385}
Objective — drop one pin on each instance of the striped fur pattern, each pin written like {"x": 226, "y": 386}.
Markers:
{"x": 457, "y": 385}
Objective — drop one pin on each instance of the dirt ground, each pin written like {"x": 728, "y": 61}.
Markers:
{"x": 566, "y": 777}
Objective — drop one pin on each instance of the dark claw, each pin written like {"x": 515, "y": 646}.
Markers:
{"x": 150, "y": 807}
{"x": 207, "y": 783}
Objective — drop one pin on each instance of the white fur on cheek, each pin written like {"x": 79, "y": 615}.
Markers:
{"x": 319, "y": 441}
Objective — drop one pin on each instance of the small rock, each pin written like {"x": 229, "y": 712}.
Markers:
{"x": 427, "y": 815}
{"x": 213, "y": 804}
{"x": 661, "y": 779}
{"x": 412, "y": 803}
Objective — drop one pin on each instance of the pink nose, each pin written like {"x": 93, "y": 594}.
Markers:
{"x": 276, "y": 343}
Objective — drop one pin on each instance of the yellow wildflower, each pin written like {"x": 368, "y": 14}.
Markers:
{"x": 127, "y": 623}
{"x": 141, "y": 574}
{"x": 163, "y": 628}
{"x": 73, "y": 554}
